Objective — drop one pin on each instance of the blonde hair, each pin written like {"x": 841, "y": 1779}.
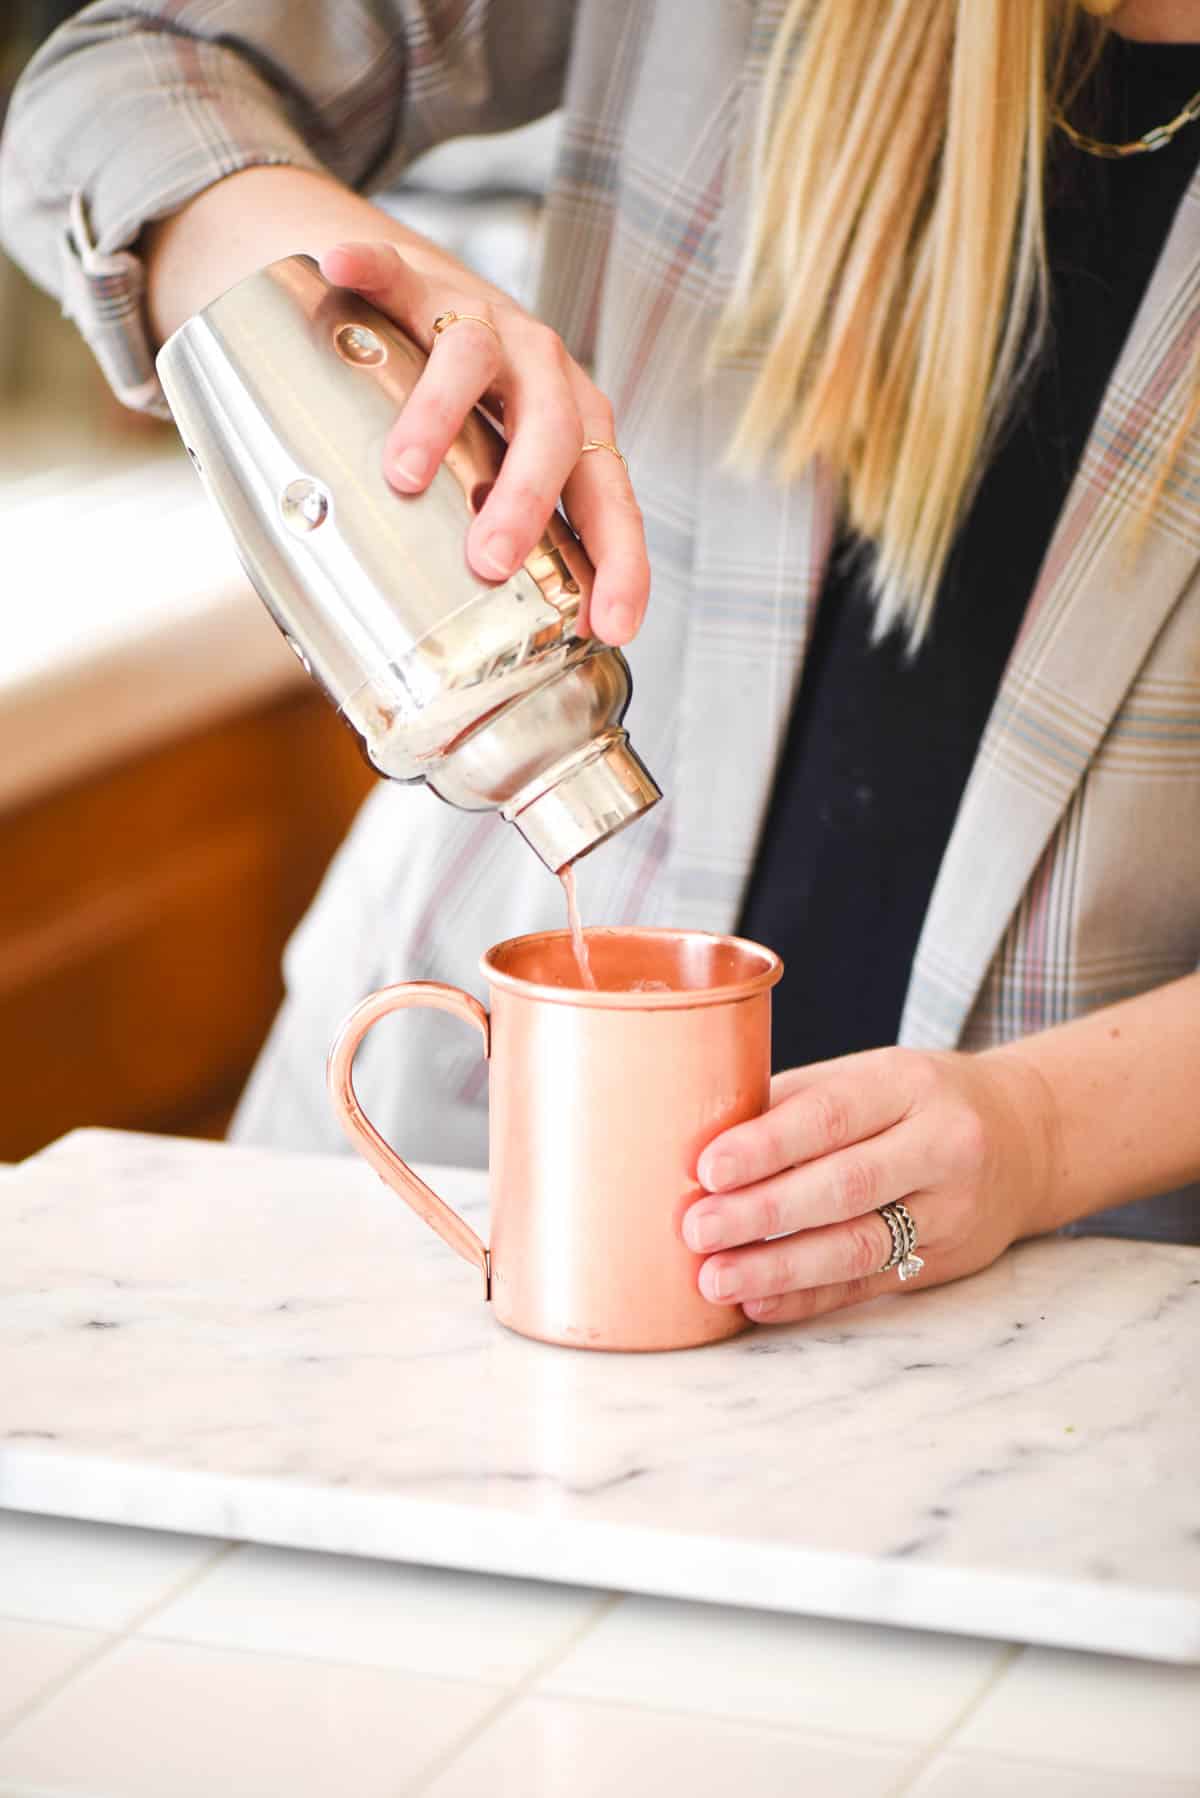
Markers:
{"x": 893, "y": 289}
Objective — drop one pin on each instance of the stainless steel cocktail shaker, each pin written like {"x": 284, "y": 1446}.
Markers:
{"x": 284, "y": 390}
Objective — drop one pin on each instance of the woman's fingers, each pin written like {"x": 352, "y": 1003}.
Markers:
{"x": 947, "y": 1261}
{"x": 832, "y": 1188}
{"x": 795, "y": 1080}
{"x": 381, "y": 275}
{"x": 544, "y": 431}
{"x": 832, "y": 1254}
{"x": 549, "y": 407}
{"x": 818, "y": 1301}
{"x": 856, "y": 1098}
{"x": 430, "y": 421}
{"x": 601, "y": 505}
{"x": 454, "y": 379}
{"x": 465, "y": 361}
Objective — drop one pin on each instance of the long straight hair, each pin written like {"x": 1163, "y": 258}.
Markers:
{"x": 893, "y": 290}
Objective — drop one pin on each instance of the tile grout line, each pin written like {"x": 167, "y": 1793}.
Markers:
{"x": 942, "y": 1740}
{"x": 802, "y": 1732}
{"x": 1004, "y": 1759}
{"x": 511, "y": 1695}
{"x": 112, "y": 1639}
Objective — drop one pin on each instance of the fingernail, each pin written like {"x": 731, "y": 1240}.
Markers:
{"x": 412, "y": 466}
{"x": 718, "y": 1171}
{"x": 703, "y": 1232}
{"x": 760, "y": 1309}
{"x": 719, "y": 1283}
{"x": 498, "y": 557}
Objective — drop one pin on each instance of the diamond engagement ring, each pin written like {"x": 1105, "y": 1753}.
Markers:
{"x": 902, "y": 1226}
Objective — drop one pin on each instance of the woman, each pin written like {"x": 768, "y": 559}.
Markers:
{"x": 849, "y": 248}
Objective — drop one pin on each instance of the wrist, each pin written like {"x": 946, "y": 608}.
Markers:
{"x": 253, "y": 217}
{"x": 1037, "y": 1173}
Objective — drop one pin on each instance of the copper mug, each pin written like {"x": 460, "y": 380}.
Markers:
{"x": 600, "y": 1104}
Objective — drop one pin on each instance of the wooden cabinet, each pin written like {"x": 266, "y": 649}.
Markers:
{"x": 143, "y": 912}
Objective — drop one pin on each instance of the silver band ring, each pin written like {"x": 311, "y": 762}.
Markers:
{"x": 896, "y": 1228}
{"x": 903, "y": 1230}
{"x": 594, "y": 443}
{"x": 444, "y": 320}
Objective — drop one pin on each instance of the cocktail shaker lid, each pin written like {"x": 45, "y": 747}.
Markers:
{"x": 584, "y": 800}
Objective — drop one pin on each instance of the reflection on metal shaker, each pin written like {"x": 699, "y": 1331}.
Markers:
{"x": 284, "y": 390}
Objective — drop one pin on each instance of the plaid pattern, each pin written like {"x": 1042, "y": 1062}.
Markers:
{"x": 1078, "y": 839}
{"x": 1073, "y": 874}
{"x": 104, "y": 295}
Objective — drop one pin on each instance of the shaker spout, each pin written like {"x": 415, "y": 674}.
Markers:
{"x": 584, "y": 800}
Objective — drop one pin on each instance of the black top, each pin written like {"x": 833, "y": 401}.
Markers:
{"x": 880, "y": 743}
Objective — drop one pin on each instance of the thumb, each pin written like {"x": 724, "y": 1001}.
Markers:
{"x": 380, "y": 274}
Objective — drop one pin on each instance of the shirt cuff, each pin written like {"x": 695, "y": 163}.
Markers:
{"x": 104, "y": 294}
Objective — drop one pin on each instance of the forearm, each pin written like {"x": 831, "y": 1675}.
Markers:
{"x": 1123, "y": 1087}
{"x": 249, "y": 219}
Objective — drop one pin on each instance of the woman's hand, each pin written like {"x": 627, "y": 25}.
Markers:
{"x": 548, "y": 407}
{"x": 969, "y": 1142}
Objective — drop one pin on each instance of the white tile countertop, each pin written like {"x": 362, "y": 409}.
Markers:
{"x": 135, "y": 1664}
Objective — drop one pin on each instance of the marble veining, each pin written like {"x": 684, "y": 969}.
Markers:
{"x": 271, "y": 1347}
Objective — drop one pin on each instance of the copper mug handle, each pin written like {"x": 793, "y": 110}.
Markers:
{"x": 366, "y": 1138}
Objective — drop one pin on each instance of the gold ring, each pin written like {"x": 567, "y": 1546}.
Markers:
{"x": 444, "y": 320}
{"x": 596, "y": 443}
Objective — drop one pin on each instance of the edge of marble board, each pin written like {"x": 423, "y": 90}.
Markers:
{"x": 1090, "y": 1615}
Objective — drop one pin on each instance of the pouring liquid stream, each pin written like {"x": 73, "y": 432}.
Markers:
{"x": 583, "y": 960}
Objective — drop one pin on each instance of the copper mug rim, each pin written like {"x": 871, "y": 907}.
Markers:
{"x": 767, "y": 970}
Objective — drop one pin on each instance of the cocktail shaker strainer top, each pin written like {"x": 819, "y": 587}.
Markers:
{"x": 284, "y": 391}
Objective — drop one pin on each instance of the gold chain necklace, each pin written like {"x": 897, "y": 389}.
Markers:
{"x": 1150, "y": 140}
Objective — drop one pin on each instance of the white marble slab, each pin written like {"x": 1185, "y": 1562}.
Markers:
{"x": 271, "y": 1348}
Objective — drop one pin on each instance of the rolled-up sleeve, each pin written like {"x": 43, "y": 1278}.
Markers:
{"x": 130, "y": 109}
